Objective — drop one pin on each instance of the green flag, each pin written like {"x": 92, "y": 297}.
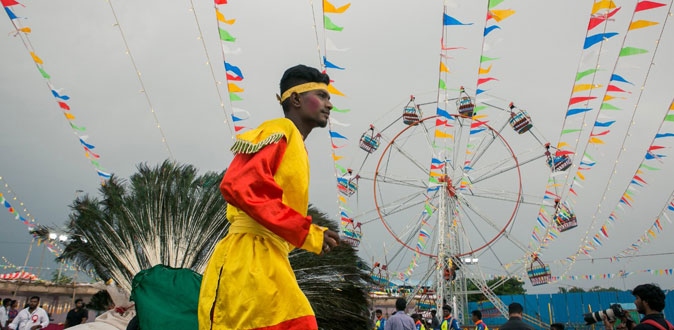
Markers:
{"x": 627, "y": 51}
{"x": 486, "y": 59}
{"x": 649, "y": 168}
{"x": 607, "y": 106}
{"x": 341, "y": 169}
{"x": 494, "y": 3}
{"x": 234, "y": 97}
{"x": 442, "y": 84}
{"x": 225, "y": 36}
{"x": 580, "y": 75}
{"x": 81, "y": 129}
{"x": 335, "y": 109}
{"x": 434, "y": 180}
{"x": 44, "y": 74}
{"x": 567, "y": 131}
{"x": 478, "y": 108}
{"x": 329, "y": 25}
{"x": 429, "y": 210}
{"x": 669, "y": 118}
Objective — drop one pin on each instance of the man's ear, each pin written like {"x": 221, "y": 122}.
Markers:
{"x": 295, "y": 100}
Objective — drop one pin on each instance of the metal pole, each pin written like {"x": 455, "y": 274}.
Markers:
{"x": 441, "y": 264}
{"x": 72, "y": 302}
{"x": 25, "y": 263}
{"x": 39, "y": 269}
{"x": 58, "y": 277}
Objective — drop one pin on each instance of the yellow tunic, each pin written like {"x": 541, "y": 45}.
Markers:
{"x": 248, "y": 283}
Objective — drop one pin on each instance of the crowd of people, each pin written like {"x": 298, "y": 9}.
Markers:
{"x": 649, "y": 301}
{"x": 33, "y": 317}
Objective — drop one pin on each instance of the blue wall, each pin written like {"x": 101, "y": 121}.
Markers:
{"x": 566, "y": 307}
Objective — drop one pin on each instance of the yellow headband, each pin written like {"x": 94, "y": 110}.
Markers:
{"x": 299, "y": 89}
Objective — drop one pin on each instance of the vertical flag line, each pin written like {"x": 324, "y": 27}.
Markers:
{"x": 227, "y": 122}
{"x": 321, "y": 63}
{"x": 25, "y": 40}
{"x": 140, "y": 81}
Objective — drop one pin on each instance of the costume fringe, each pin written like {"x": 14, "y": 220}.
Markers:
{"x": 247, "y": 147}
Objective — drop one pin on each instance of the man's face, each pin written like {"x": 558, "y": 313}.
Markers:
{"x": 33, "y": 303}
{"x": 79, "y": 304}
{"x": 377, "y": 314}
{"x": 475, "y": 319}
{"x": 641, "y": 307}
{"x": 315, "y": 107}
{"x": 445, "y": 313}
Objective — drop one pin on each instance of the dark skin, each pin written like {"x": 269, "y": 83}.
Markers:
{"x": 78, "y": 306}
{"x": 307, "y": 111}
{"x": 32, "y": 305}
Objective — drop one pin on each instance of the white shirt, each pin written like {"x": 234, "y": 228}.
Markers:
{"x": 26, "y": 320}
{"x": 3, "y": 316}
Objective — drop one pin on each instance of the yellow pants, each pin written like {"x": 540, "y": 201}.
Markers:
{"x": 249, "y": 284}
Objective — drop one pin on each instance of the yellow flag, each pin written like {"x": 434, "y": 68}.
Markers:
{"x": 604, "y": 4}
{"x": 479, "y": 117}
{"x": 333, "y": 90}
{"x": 501, "y": 14}
{"x": 640, "y": 172}
{"x": 483, "y": 71}
{"x": 35, "y": 58}
{"x": 641, "y": 24}
{"x": 443, "y": 68}
{"x": 342, "y": 199}
{"x": 581, "y": 176}
{"x": 221, "y": 18}
{"x": 436, "y": 174}
{"x": 596, "y": 141}
{"x": 584, "y": 87}
{"x": 608, "y": 97}
{"x": 233, "y": 88}
{"x": 628, "y": 197}
{"x": 562, "y": 144}
{"x": 69, "y": 116}
{"x": 336, "y": 158}
{"x": 330, "y": 8}
{"x": 672, "y": 106}
{"x": 26, "y": 29}
{"x": 441, "y": 134}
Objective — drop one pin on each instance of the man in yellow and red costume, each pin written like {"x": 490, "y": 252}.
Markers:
{"x": 248, "y": 283}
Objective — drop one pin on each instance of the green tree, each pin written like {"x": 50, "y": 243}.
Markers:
{"x": 62, "y": 279}
{"x": 573, "y": 289}
{"x": 170, "y": 215}
{"x": 511, "y": 286}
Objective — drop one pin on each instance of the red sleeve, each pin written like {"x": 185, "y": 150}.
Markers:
{"x": 249, "y": 185}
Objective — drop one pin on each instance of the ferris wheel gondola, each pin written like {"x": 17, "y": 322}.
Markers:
{"x": 565, "y": 219}
{"x": 412, "y": 113}
{"x": 465, "y": 104}
{"x": 538, "y": 272}
{"x": 558, "y": 162}
{"x": 519, "y": 119}
{"x": 348, "y": 184}
{"x": 370, "y": 141}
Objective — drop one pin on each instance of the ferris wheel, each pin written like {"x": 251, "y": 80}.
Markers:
{"x": 447, "y": 182}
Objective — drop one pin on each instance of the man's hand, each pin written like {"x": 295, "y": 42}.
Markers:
{"x": 330, "y": 241}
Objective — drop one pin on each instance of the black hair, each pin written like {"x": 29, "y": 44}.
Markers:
{"x": 433, "y": 312}
{"x": 401, "y": 304}
{"x": 557, "y": 326}
{"x": 378, "y": 311}
{"x": 34, "y": 297}
{"x": 447, "y": 308}
{"x": 298, "y": 75}
{"x": 7, "y": 302}
{"x": 515, "y": 308}
{"x": 477, "y": 314}
{"x": 78, "y": 300}
{"x": 651, "y": 294}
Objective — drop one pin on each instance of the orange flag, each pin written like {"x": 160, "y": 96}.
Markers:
{"x": 330, "y": 8}
{"x": 35, "y": 58}
{"x": 333, "y": 90}
{"x": 641, "y": 24}
{"x": 221, "y": 18}
{"x": 233, "y": 88}
{"x": 443, "y": 68}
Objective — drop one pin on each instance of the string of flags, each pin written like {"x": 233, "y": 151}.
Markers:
{"x": 62, "y": 100}
{"x": 233, "y": 72}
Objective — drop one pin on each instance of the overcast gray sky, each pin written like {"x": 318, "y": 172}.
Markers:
{"x": 393, "y": 52}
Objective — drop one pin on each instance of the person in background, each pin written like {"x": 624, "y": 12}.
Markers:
{"x": 435, "y": 323}
{"x": 556, "y": 326}
{"x": 399, "y": 320}
{"x": 31, "y": 318}
{"x": 13, "y": 311}
{"x": 448, "y": 322}
{"x": 417, "y": 322}
{"x": 515, "y": 311}
{"x": 380, "y": 323}
{"x": 77, "y": 315}
{"x": 650, "y": 301}
{"x": 4, "y": 309}
{"x": 477, "y": 319}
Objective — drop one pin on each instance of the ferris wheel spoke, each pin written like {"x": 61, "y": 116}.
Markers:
{"x": 491, "y": 223}
{"x": 402, "y": 182}
{"x": 505, "y": 196}
{"x": 403, "y": 207}
{"x": 503, "y": 170}
{"x": 395, "y": 202}
{"x": 408, "y": 156}
{"x": 482, "y": 149}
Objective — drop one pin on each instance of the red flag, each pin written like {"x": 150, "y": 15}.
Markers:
{"x": 439, "y": 122}
{"x": 575, "y": 100}
{"x": 612, "y": 88}
{"x": 220, "y": 2}
{"x": 437, "y": 167}
{"x": 646, "y": 5}
{"x": 238, "y": 128}
{"x": 7, "y": 3}
{"x": 600, "y": 134}
{"x": 233, "y": 78}
{"x": 655, "y": 148}
{"x": 64, "y": 106}
{"x": 573, "y": 191}
{"x": 484, "y": 80}
{"x": 636, "y": 177}
{"x": 598, "y": 20}
{"x": 477, "y": 124}
{"x": 563, "y": 152}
